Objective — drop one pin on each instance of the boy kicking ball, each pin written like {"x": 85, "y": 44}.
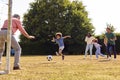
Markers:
{"x": 60, "y": 41}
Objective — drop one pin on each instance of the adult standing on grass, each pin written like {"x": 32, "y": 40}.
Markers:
{"x": 16, "y": 25}
{"x": 89, "y": 40}
{"x": 109, "y": 41}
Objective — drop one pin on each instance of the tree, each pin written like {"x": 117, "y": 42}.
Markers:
{"x": 46, "y": 17}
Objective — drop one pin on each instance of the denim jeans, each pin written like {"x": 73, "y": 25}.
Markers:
{"x": 15, "y": 45}
{"x": 111, "y": 47}
{"x": 98, "y": 52}
{"x": 89, "y": 47}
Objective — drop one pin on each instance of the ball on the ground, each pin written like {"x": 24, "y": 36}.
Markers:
{"x": 49, "y": 57}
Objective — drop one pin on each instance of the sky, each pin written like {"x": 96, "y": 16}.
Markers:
{"x": 100, "y": 12}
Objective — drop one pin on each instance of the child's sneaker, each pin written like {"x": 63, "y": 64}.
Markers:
{"x": 96, "y": 58}
{"x": 57, "y": 54}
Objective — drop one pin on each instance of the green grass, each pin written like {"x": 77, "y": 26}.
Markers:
{"x": 72, "y": 68}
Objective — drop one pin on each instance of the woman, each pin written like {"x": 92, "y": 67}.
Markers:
{"x": 89, "y": 38}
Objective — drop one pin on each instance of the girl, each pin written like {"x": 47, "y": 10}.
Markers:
{"x": 98, "y": 48}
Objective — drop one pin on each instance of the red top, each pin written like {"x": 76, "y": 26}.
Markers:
{"x": 16, "y": 25}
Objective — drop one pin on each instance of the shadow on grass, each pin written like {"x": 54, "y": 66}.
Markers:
{"x": 104, "y": 60}
{"x": 48, "y": 62}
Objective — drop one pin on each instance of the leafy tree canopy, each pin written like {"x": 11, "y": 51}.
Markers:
{"x": 46, "y": 17}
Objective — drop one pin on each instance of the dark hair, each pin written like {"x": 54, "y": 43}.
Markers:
{"x": 89, "y": 35}
{"x": 58, "y": 35}
{"x": 16, "y": 16}
{"x": 96, "y": 40}
{"x": 108, "y": 28}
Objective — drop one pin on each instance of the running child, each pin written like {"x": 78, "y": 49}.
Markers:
{"x": 60, "y": 41}
{"x": 98, "y": 48}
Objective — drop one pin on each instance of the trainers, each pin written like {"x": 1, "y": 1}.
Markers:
{"x": 115, "y": 59}
{"x": 109, "y": 58}
{"x": 16, "y": 68}
{"x": 106, "y": 56}
{"x": 96, "y": 58}
{"x": 57, "y": 54}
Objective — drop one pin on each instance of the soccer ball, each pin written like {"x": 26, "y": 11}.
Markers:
{"x": 49, "y": 57}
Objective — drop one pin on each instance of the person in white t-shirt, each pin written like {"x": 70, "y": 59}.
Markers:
{"x": 98, "y": 48}
{"x": 89, "y": 38}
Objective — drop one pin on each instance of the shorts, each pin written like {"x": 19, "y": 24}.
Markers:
{"x": 61, "y": 47}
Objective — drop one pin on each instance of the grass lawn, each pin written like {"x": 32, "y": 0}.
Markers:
{"x": 72, "y": 68}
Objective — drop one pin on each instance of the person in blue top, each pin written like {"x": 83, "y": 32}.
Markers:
{"x": 60, "y": 41}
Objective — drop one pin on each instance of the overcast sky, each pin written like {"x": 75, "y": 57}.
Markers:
{"x": 100, "y": 12}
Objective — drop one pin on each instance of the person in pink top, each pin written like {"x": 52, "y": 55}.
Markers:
{"x": 16, "y": 25}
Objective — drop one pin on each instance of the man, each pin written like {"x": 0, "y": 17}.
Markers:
{"x": 16, "y": 25}
{"x": 109, "y": 41}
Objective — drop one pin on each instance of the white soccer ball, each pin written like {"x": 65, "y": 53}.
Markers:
{"x": 49, "y": 58}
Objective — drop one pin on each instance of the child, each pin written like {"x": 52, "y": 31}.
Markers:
{"x": 60, "y": 41}
{"x": 98, "y": 48}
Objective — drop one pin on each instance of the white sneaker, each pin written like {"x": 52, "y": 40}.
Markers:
{"x": 85, "y": 57}
{"x": 115, "y": 59}
{"x": 57, "y": 54}
{"x": 109, "y": 58}
{"x": 96, "y": 58}
{"x": 106, "y": 57}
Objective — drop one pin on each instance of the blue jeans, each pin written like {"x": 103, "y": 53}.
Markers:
{"x": 15, "y": 45}
{"x": 89, "y": 47}
{"x": 98, "y": 52}
{"x": 111, "y": 47}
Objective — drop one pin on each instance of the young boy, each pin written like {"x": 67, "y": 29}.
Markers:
{"x": 98, "y": 48}
{"x": 60, "y": 41}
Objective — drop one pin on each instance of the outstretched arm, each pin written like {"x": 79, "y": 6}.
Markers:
{"x": 53, "y": 40}
{"x": 23, "y": 31}
{"x": 67, "y": 37}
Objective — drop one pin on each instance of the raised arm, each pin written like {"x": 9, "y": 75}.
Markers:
{"x": 67, "y": 37}
{"x": 53, "y": 40}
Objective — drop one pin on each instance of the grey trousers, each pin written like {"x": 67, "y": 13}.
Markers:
{"x": 15, "y": 45}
